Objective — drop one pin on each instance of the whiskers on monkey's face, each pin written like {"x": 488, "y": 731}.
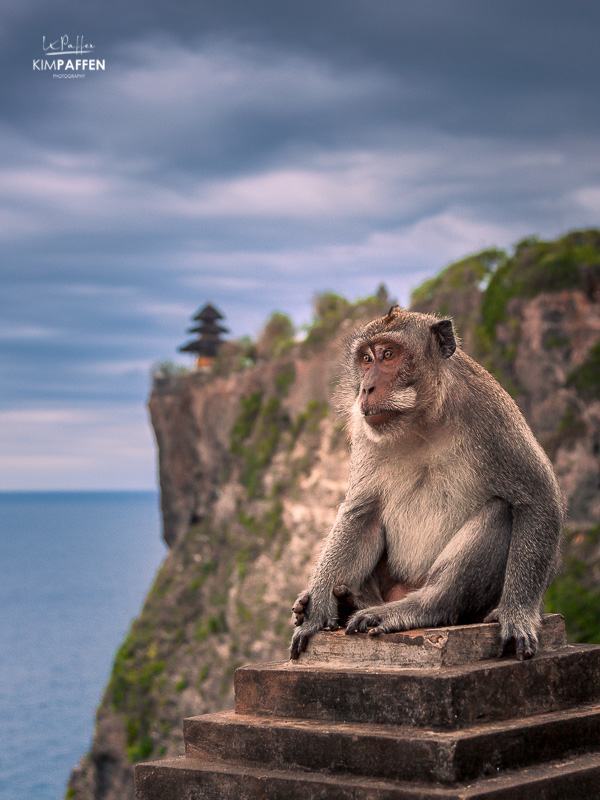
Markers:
{"x": 379, "y": 420}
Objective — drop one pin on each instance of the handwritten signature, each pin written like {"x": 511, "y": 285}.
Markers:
{"x": 63, "y": 46}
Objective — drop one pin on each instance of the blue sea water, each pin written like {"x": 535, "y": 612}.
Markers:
{"x": 74, "y": 570}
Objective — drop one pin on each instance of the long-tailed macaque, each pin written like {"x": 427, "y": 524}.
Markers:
{"x": 453, "y": 512}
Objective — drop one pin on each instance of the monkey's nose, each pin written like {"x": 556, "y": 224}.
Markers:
{"x": 368, "y": 389}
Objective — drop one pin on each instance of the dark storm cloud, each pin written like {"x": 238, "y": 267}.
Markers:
{"x": 253, "y": 154}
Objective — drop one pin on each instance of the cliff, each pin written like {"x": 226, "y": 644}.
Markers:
{"x": 254, "y": 462}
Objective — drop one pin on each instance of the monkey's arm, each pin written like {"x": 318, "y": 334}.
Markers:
{"x": 524, "y": 477}
{"x": 349, "y": 556}
{"x": 532, "y": 562}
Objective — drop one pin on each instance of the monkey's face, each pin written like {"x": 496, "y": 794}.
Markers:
{"x": 386, "y": 370}
{"x": 392, "y": 376}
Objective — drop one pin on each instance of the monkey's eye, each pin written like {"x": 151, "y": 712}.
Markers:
{"x": 366, "y": 358}
{"x": 387, "y": 354}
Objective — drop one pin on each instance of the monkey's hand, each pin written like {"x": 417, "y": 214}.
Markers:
{"x": 519, "y": 628}
{"x": 308, "y": 621}
{"x": 300, "y": 608}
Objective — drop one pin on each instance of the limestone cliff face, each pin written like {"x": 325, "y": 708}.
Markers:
{"x": 252, "y": 468}
{"x": 556, "y": 334}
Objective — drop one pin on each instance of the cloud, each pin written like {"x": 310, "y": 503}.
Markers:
{"x": 53, "y": 448}
{"x": 588, "y": 199}
{"x": 26, "y": 332}
{"x": 254, "y": 155}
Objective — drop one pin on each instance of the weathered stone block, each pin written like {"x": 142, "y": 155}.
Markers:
{"x": 190, "y": 779}
{"x": 439, "y": 698}
{"x": 392, "y": 751}
{"x": 427, "y": 647}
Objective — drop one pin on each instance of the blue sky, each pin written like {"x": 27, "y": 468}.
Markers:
{"x": 254, "y": 154}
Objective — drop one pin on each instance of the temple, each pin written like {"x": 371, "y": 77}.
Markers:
{"x": 209, "y": 331}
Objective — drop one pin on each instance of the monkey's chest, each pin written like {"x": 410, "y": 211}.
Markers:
{"x": 421, "y": 513}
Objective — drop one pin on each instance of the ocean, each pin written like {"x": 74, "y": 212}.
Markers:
{"x": 74, "y": 570}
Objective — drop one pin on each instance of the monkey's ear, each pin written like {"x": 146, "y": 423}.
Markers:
{"x": 443, "y": 333}
{"x": 393, "y": 310}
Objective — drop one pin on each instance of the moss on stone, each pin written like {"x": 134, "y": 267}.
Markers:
{"x": 256, "y": 445}
{"x": 285, "y": 378}
{"x": 132, "y": 687}
{"x": 244, "y": 424}
{"x": 308, "y": 420}
{"x": 202, "y": 676}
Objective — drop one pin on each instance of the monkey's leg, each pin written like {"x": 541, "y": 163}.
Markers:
{"x": 464, "y": 582}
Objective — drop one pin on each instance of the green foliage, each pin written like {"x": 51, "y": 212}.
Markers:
{"x": 571, "y": 426}
{"x": 132, "y": 687}
{"x": 262, "y": 531}
{"x": 214, "y": 624}
{"x": 585, "y": 379}
{"x": 234, "y": 356}
{"x": 259, "y": 453}
{"x": 277, "y": 337}
{"x": 572, "y": 595}
{"x": 331, "y": 309}
{"x": 537, "y": 267}
{"x": 167, "y": 369}
{"x": 437, "y": 294}
{"x": 244, "y": 424}
{"x": 555, "y": 342}
{"x": 255, "y": 437}
{"x": 181, "y": 685}
{"x": 285, "y": 378}
{"x": 206, "y": 568}
{"x": 202, "y": 676}
{"x": 309, "y": 419}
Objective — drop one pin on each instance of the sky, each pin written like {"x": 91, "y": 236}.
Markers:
{"x": 253, "y": 154}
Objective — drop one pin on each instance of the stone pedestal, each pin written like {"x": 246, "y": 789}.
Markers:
{"x": 412, "y": 716}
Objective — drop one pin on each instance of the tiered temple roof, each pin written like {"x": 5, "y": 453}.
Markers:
{"x": 209, "y": 333}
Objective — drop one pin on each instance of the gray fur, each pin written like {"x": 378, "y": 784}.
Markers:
{"x": 455, "y": 491}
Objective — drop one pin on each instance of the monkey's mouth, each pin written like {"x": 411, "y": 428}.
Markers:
{"x": 378, "y": 417}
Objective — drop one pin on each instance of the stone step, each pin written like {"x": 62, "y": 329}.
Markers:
{"x": 452, "y": 697}
{"x": 573, "y": 779}
{"x": 392, "y": 751}
{"x": 427, "y": 647}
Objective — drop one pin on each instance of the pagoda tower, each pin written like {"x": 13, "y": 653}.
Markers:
{"x": 209, "y": 331}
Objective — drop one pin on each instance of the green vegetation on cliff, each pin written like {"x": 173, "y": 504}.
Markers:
{"x": 445, "y": 291}
{"x": 585, "y": 379}
{"x": 575, "y": 593}
{"x": 571, "y": 262}
{"x": 331, "y": 310}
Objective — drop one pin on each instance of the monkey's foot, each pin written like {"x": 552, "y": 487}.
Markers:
{"x": 401, "y": 615}
{"x": 371, "y": 620}
{"x": 522, "y": 634}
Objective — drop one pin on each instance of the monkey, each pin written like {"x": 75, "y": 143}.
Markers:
{"x": 453, "y": 513}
